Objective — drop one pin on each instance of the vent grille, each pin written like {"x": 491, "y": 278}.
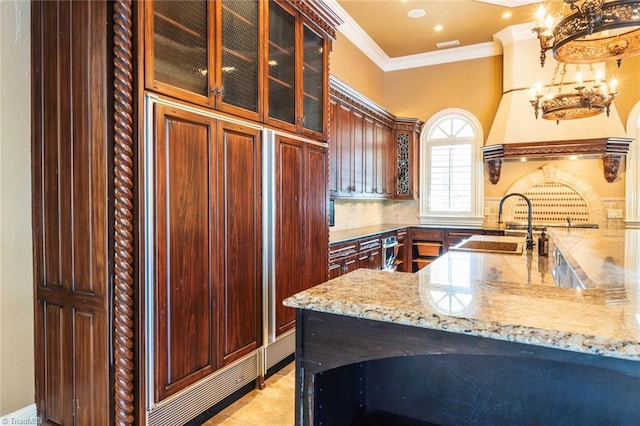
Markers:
{"x": 552, "y": 203}
{"x": 187, "y": 405}
{"x": 280, "y": 349}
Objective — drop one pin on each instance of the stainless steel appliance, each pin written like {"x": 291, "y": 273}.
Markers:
{"x": 389, "y": 248}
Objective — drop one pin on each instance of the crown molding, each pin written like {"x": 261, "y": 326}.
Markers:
{"x": 352, "y": 31}
{"x": 464, "y": 53}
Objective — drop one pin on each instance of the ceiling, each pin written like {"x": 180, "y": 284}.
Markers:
{"x": 395, "y": 35}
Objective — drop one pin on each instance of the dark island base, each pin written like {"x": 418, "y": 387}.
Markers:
{"x": 361, "y": 372}
{"x": 384, "y": 418}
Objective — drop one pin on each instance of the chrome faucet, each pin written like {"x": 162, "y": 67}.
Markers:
{"x": 529, "y": 216}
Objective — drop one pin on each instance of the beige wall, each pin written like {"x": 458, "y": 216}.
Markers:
{"x": 474, "y": 85}
{"x": 350, "y": 65}
{"x": 16, "y": 305}
{"x": 628, "y": 86}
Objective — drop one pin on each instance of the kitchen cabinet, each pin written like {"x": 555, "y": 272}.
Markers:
{"x": 363, "y": 151}
{"x": 207, "y": 313}
{"x": 208, "y": 53}
{"x": 148, "y": 203}
{"x": 406, "y": 157}
{"x": 264, "y": 61}
{"x": 301, "y": 221}
{"x": 370, "y": 253}
{"x": 343, "y": 258}
{"x": 297, "y": 72}
{"x": 426, "y": 246}
{"x": 401, "y": 236}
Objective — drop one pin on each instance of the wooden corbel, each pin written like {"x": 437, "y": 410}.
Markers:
{"x": 495, "y": 166}
{"x": 611, "y": 163}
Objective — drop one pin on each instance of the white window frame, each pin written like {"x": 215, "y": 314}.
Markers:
{"x": 474, "y": 217}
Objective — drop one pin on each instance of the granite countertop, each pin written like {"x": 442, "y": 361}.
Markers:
{"x": 510, "y": 297}
{"x": 363, "y": 232}
{"x": 366, "y": 231}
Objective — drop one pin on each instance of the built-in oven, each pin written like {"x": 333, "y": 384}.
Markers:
{"x": 389, "y": 249}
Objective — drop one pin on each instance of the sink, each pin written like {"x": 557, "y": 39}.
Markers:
{"x": 491, "y": 244}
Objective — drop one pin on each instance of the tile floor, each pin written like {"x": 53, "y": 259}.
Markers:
{"x": 273, "y": 406}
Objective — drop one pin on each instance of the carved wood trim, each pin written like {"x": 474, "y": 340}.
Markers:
{"x": 123, "y": 303}
{"x": 319, "y": 14}
{"x": 610, "y": 149}
{"x": 341, "y": 91}
{"x": 408, "y": 124}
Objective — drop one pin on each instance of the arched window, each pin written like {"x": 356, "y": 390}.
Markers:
{"x": 451, "y": 173}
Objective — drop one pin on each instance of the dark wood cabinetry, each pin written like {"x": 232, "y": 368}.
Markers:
{"x": 370, "y": 253}
{"x": 360, "y": 139}
{"x": 147, "y": 200}
{"x": 264, "y": 61}
{"x": 301, "y": 221}
{"x": 207, "y": 53}
{"x": 366, "y": 161}
{"x": 72, "y": 196}
{"x": 406, "y": 157}
{"x": 343, "y": 258}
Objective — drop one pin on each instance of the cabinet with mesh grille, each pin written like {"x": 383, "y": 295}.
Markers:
{"x": 264, "y": 61}
{"x": 207, "y": 53}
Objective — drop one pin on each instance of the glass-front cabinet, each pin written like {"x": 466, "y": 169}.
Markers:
{"x": 262, "y": 60}
{"x": 298, "y": 72}
{"x": 207, "y": 53}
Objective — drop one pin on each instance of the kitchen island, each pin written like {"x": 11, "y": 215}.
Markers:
{"x": 478, "y": 338}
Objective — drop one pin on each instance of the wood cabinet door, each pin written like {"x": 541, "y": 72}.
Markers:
{"x": 368, "y": 147}
{"x": 240, "y": 200}
{"x": 317, "y": 216}
{"x": 187, "y": 255}
{"x": 290, "y": 248}
{"x": 302, "y": 235}
{"x": 72, "y": 179}
{"x": 315, "y": 81}
{"x": 239, "y": 57}
{"x": 178, "y": 49}
{"x": 344, "y": 150}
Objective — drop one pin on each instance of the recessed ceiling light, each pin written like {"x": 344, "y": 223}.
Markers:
{"x": 416, "y": 13}
{"x": 438, "y": 28}
{"x": 506, "y": 15}
{"x": 449, "y": 43}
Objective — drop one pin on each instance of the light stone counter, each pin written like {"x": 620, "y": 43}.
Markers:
{"x": 508, "y": 297}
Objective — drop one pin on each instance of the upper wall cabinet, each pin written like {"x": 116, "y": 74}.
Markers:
{"x": 373, "y": 153}
{"x": 206, "y": 53}
{"x": 298, "y": 72}
{"x": 361, "y": 145}
{"x": 406, "y": 142}
{"x": 264, "y": 61}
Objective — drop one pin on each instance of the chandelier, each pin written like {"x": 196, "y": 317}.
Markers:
{"x": 591, "y": 31}
{"x": 589, "y": 98}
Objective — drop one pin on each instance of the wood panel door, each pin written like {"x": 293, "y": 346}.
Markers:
{"x": 187, "y": 255}
{"x": 240, "y": 177}
{"x": 302, "y": 227}
{"x": 290, "y": 250}
{"x": 72, "y": 198}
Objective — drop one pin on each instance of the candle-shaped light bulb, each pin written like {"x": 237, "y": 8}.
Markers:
{"x": 579, "y": 78}
{"x": 598, "y": 77}
{"x": 548, "y": 22}
{"x": 613, "y": 86}
{"x": 540, "y": 15}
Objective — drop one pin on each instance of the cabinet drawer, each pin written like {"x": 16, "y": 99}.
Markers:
{"x": 427, "y": 234}
{"x": 340, "y": 251}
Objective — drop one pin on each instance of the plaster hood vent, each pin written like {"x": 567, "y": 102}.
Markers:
{"x": 517, "y": 134}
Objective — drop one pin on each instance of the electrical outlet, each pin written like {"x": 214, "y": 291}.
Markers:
{"x": 487, "y": 211}
{"x": 614, "y": 213}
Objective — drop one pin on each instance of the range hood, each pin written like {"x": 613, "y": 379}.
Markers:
{"x": 516, "y": 134}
